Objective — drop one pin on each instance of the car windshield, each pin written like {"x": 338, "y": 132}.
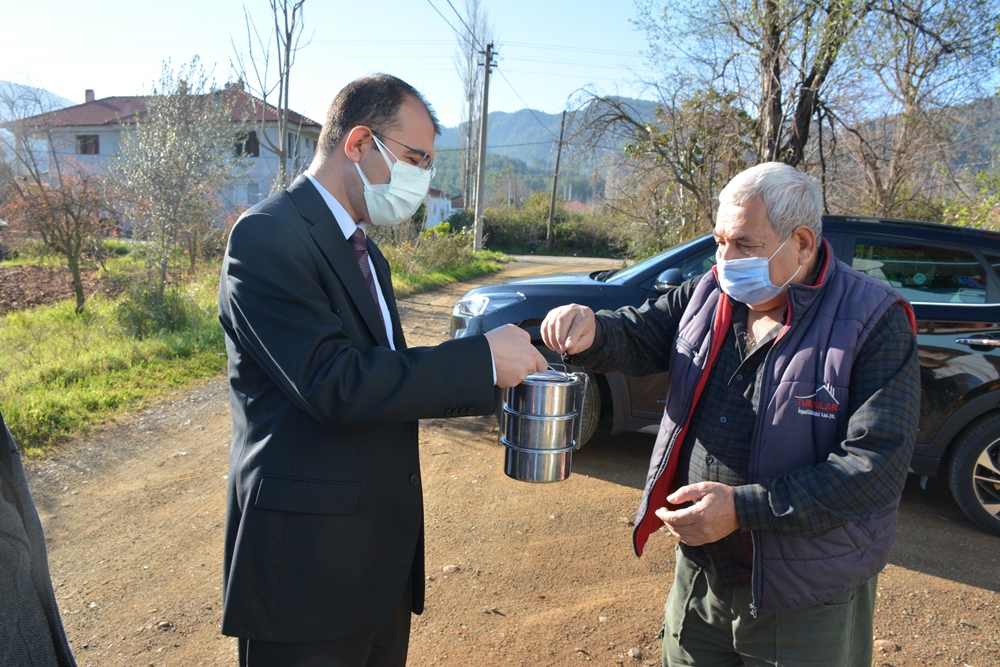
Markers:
{"x": 650, "y": 263}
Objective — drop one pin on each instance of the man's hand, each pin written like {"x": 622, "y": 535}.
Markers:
{"x": 569, "y": 329}
{"x": 514, "y": 355}
{"x": 709, "y": 519}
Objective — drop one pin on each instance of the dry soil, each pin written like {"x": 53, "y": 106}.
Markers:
{"x": 518, "y": 574}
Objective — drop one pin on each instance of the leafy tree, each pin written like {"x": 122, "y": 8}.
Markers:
{"x": 981, "y": 209}
{"x": 174, "y": 166}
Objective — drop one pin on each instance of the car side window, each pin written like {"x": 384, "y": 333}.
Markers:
{"x": 922, "y": 272}
{"x": 994, "y": 262}
{"x": 695, "y": 266}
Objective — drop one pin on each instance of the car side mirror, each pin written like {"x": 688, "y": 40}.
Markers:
{"x": 668, "y": 280}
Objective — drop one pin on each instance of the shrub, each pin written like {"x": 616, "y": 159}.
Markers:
{"x": 524, "y": 230}
{"x": 144, "y": 310}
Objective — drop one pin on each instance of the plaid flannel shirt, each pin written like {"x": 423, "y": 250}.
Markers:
{"x": 884, "y": 387}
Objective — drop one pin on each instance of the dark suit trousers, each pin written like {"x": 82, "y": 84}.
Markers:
{"x": 386, "y": 648}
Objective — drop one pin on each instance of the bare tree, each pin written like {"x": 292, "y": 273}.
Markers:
{"x": 919, "y": 61}
{"x": 798, "y": 81}
{"x": 773, "y": 57}
{"x": 254, "y": 70}
{"x": 477, "y": 32}
{"x": 52, "y": 196}
{"x": 688, "y": 148}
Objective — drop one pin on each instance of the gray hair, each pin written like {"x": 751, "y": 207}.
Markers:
{"x": 792, "y": 198}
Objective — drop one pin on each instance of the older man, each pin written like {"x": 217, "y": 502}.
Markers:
{"x": 790, "y": 419}
{"x": 324, "y": 535}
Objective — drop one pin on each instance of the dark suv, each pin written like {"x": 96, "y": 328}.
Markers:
{"x": 949, "y": 274}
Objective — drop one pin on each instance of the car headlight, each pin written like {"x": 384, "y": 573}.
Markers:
{"x": 477, "y": 305}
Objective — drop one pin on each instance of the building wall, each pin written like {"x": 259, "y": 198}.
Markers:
{"x": 264, "y": 169}
{"x": 255, "y": 186}
{"x": 438, "y": 210}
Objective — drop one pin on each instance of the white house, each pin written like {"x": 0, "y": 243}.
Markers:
{"x": 439, "y": 208}
{"x": 91, "y": 132}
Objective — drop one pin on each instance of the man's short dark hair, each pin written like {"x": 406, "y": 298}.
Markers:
{"x": 373, "y": 101}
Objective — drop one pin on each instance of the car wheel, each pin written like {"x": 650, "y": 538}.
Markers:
{"x": 974, "y": 474}
{"x": 591, "y": 405}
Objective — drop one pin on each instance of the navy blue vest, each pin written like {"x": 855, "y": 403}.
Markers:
{"x": 801, "y": 420}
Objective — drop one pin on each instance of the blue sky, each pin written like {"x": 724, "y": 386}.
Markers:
{"x": 548, "y": 48}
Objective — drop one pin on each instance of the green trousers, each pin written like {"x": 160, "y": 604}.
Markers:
{"x": 708, "y": 625}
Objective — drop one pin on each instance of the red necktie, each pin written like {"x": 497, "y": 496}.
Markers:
{"x": 359, "y": 243}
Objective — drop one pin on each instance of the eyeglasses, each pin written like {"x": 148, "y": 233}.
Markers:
{"x": 426, "y": 162}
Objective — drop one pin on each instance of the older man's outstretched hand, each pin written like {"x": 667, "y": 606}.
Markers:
{"x": 569, "y": 329}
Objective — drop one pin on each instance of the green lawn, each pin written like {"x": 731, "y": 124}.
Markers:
{"x": 61, "y": 373}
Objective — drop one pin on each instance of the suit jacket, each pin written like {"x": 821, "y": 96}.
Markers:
{"x": 31, "y": 630}
{"x": 324, "y": 518}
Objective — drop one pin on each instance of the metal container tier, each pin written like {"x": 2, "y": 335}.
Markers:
{"x": 540, "y": 425}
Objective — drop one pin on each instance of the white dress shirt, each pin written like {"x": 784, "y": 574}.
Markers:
{"x": 348, "y": 226}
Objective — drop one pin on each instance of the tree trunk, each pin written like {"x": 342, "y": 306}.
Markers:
{"x": 770, "y": 84}
{"x": 74, "y": 268}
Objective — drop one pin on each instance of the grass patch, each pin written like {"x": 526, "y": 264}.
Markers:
{"x": 483, "y": 262}
{"x": 61, "y": 373}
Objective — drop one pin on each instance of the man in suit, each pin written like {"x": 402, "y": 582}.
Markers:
{"x": 324, "y": 533}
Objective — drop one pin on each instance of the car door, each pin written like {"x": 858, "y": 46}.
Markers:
{"x": 955, "y": 293}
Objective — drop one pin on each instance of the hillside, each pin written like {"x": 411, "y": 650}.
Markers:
{"x": 527, "y": 135}
{"x": 18, "y": 99}
{"x": 522, "y": 148}
{"x": 521, "y": 157}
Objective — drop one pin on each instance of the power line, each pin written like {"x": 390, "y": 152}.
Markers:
{"x": 472, "y": 34}
{"x": 530, "y": 110}
{"x": 514, "y": 90}
{"x": 443, "y": 18}
{"x": 527, "y": 143}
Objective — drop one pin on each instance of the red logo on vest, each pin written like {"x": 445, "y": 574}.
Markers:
{"x": 821, "y": 403}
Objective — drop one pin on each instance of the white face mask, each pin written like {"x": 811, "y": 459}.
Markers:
{"x": 395, "y": 201}
{"x": 749, "y": 279}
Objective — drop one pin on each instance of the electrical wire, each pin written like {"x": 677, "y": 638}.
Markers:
{"x": 443, "y": 18}
{"x": 529, "y": 143}
{"x": 530, "y": 110}
{"x": 472, "y": 34}
{"x": 490, "y": 64}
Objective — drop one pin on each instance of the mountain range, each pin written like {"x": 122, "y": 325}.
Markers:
{"x": 17, "y": 98}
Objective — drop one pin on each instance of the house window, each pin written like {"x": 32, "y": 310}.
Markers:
{"x": 247, "y": 145}
{"x": 88, "y": 144}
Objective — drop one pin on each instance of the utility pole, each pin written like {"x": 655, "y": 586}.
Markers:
{"x": 483, "y": 122}
{"x": 555, "y": 182}
{"x": 516, "y": 205}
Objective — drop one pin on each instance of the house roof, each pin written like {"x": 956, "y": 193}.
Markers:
{"x": 117, "y": 110}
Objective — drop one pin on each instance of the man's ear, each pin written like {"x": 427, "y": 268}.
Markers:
{"x": 355, "y": 141}
{"x": 805, "y": 237}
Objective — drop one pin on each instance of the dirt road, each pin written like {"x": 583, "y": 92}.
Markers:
{"x": 545, "y": 574}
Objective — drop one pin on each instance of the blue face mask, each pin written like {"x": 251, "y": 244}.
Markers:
{"x": 748, "y": 280}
